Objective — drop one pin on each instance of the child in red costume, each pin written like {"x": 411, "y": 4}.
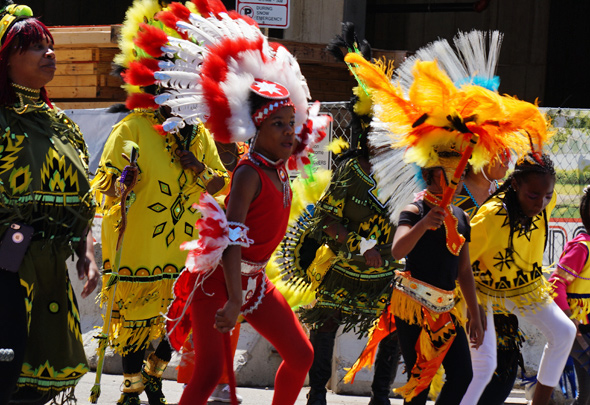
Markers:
{"x": 257, "y": 198}
{"x": 223, "y": 71}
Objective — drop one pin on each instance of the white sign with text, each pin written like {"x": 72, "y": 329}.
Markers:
{"x": 267, "y": 13}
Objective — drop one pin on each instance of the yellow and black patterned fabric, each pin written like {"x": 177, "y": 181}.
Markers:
{"x": 515, "y": 271}
{"x": 160, "y": 218}
{"x": 44, "y": 183}
{"x": 349, "y": 287}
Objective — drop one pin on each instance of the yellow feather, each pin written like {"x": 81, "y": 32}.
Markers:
{"x": 141, "y": 11}
{"x": 432, "y": 89}
{"x": 305, "y": 192}
{"x": 364, "y": 105}
{"x": 338, "y": 145}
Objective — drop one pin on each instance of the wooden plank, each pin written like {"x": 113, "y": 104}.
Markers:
{"x": 83, "y": 104}
{"x": 95, "y": 36}
{"x": 65, "y": 69}
{"x": 309, "y": 52}
{"x": 69, "y": 39}
{"x": 85, "y": 54}
{"x": 71, "y": 92}
{"x": 107, "y": 54}
{"x": 79, "y": 28}
{"x": 78, "y": 81}
{"x": 110, "y": 81}
{"x": 112, "y": 93}
{"x": 72, "y": 54}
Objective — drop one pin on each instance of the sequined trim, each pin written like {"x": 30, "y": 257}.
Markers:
{"x": 433, "y": 298}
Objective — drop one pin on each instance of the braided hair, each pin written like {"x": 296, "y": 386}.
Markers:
{"x": 531, "y": 163}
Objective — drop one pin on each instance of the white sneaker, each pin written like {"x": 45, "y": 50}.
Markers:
{"x": 222, "y": 394}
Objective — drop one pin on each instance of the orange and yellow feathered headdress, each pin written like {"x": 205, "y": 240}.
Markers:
{"x": 447, "y": 100}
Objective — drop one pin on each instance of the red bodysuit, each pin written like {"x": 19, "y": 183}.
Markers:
{"x": 263, "y": 307}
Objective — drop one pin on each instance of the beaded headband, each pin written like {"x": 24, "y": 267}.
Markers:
{"x": 277, "y": 94}
{"x": 266, "y": 110}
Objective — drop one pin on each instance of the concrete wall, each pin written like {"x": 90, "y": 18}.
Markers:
{"x": 315, "y": 21}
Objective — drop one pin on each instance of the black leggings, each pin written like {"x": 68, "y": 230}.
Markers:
{"x": 13, "y": 335}
{"x": 457, "y": 364}
{"x": 132, "y": 362}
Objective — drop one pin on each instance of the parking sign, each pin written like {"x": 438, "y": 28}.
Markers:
{"x": 267, "y": 13}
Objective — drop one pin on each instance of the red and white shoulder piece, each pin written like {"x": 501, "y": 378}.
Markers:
{"x": 215, "y": 234}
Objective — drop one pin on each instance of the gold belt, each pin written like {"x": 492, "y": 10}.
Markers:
{"x": 431, "y": 297}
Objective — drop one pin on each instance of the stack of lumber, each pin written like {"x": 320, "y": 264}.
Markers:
{"x": 84, "y": 55}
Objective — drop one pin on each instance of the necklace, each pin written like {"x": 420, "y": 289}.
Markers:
{"x": 279, "y": 166}
{"x": 470, "y": 195}
{"x": 228, "y": 164}
{"x": 27, "y": 99}
{"x": 234, "y": 155}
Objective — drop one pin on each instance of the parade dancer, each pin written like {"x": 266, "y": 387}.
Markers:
{"x": 175, "y": 166}
{"x": 244, "y": 88}
{"x": 440, "y": 110}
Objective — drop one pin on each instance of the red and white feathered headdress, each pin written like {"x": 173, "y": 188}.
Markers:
{"x": 206, "y": 68}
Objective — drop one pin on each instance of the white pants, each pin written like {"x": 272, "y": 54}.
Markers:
{"x": 557, "y": 328}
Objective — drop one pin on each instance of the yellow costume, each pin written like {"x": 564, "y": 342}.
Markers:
{"x": 159, "y": 220}
{"x": 501, "y": 272}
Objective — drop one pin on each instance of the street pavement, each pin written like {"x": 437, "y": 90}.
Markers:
{"x": 110, "y": 392}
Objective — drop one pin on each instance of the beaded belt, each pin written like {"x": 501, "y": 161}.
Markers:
{"x": 431, "y": 297}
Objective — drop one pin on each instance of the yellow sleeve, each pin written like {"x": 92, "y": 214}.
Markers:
{"x": 112, "y": 162}
{"x": 551, "y": 205}
{"x": 479, "y": 232}
{"x": 203, "y": 146}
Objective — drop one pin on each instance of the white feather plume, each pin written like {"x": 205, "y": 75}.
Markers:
{"x": 476, "y": 54}
{"x": 397, "y": 179}
{"x": 177, "y": 79}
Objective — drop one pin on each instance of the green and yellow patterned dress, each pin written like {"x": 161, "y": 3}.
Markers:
{"x": 349, "y": 288}
{"x": 44, "y": 183}
{"x": 158, "y": 221}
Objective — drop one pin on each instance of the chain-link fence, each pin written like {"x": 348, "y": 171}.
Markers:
{"x": 569, "y": 149}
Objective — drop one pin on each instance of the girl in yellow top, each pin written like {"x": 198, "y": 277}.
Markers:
{"x": 508, "y": 236}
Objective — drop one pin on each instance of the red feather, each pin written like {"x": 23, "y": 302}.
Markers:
{"x": 151, "y": 39}
{"x": 208, "y": 8}
{"x": 160, "y": 129}
{"x": 141, "y": 73}
{"x": 217, "y": 101}
{"x": 180, "y": 10}
{"x": 234, "y": 15}
{"x": 176, "y": 12}
{"x": 141, "y": 100}
{"x": 213, "y": 74}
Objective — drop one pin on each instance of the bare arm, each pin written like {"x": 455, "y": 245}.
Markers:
{"x": 245, "y": 187}
{"x": 406, "y": 236}
{"x": 467, "y": 284}
{"x": 86, "y": 264}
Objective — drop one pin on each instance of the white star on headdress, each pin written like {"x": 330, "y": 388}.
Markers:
{"x": 267, "y": 87}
